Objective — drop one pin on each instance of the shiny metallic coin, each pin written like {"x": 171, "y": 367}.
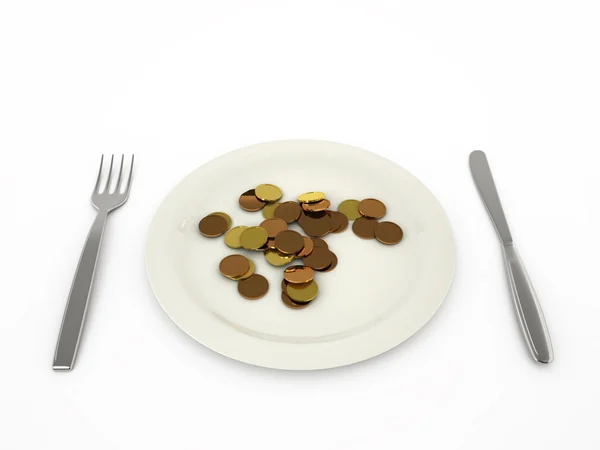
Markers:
{"x": 308, "y": 247}
{"x": 213, "y": 225}
{"x": 289, "y": 242}
{"x": 232, "y": 238}
{"x": 271, "y": 244}
{"x": 274, "y": 226}
{"x": 364, "y": 227}
{"x": 302, "y": 293}
{"x": 349, "y": 208}
{"x": 268, "y": 192}
{"x": 315, "y": 207}
{"x": 316, "y": 224}
{"x": 284, "y": 285}
{"x": 344, "y": 223}
{"x": 311, "y": 197}
{"x": 254, "y": 238}
{"x": 250, "y": 202}
{"x": 339, "y": 222}
{"x": 389, "y": 233}
{"x": 226, "y": 217}
{"x": 298, "y": 274}
{"x": 249, "y": 273}
{"x": 278, "y": 259}
{"x": 319, "y": 259}
{"x": 372, "y": 208}
{"x": 234, "y": 266}
{"x": 288, "y": 211}
{"x": 334, "y": 263}
{"x": 254, "y": 287}
{"x": 269, "y": 210}
{"x": 287, "y": 301}
{"x": 318, "y": 242}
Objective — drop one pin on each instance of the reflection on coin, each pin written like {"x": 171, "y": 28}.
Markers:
{"x": 311, "y": 197}
{"x": 303, "y": 293}
{"x": 298, "y": 274}
{"x": 254, "y": 287}
{"x": 250, "y": 202}
{"x": 268, "y": 192}
{"x": 232, "y": 238}
{"x": 350, "y": 209}
{"x": 364, "y": 227}
{"x": 287, "y": 301}
{"x": 319, "y": 259}
{"x": 226, "y": 217}
{"x": 234, "y": 266}
{"x": 288, "y": 211}
{"x": 308, "y": 247}
{"x": 269, "y": 210}
{"x": 274, "y": 226}
{"x": 317, "y": 206}
{"x": 372, "y": 208}
{"x": 249, "y": 273}
{"x": 213, "y": 225}
{"x": 253, "y": 238}
{"x": 278, "y": 259}
{"x": 389, "y": 233}
{"x": 289, "y": 242}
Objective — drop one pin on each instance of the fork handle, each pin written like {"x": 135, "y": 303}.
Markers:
{"x": 74, "y": 317}
{"x": 527, "y": 306}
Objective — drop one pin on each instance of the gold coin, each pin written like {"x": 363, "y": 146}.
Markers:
{"x": 308, "y": 247}
{"x": 311, "y": 197}
{"x": 234, "y": 266}
{"x": 249, "y": 273}
{"x": 278, "y": 259}
{"x": 288, "y": 211}
{"x": 269, "y": 210}
{"x": 232, "y": 238}
{"x": 372, "y": 208}
{"x": 302, "y": 293}
{"x": 254, "y": 287}
{"x": 287, "y": 301}
{"x": 250, "y": 202}
{"x": 254, "y": 238}
{"x": 289, "y": 242}
{"x": 365, "y": 227}
{"x": 298, "y": 274}
{"x": 318, "y": 206}
{"x": 389, "y": 233}
{"x": 320, "y": 258}
{"x": 274, "y": 226}
{"x": 226, "y": 217}
{"x": 213, "y": 225}
{"x": 268, "y": 192}
{"x": 349, "y": 208}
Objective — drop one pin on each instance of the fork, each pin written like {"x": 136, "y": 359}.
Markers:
{"x": 104, "y": 200}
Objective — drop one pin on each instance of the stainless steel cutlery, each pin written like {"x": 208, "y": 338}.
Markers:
{"x": 524, "y": 297}
{"x": 105, "y": 200}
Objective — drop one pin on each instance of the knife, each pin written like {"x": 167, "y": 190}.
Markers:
{"x": 527, "y": 306}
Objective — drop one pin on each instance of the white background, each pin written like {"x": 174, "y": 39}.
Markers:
{"x": 179, "y": 83}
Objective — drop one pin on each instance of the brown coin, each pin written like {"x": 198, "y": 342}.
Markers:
{"x": 234, "y": 266}
{"x": 319, "y": 259}
{"x": 253, "y": 287}
{"x": 316, "y": 224}
{"x": 350, "y": 209}
{"x": 334, "y": 262}
{"x": 288, "y": 211}
{"x": 364, "y": 227}
{"x": 372, "y": 208}
{"x": 287, "y": 301}
{"x": 318, "y": 242}
{"x": 339, "y": 222}
{"x": 302, "y": 293}
{"x": 389, "y": 233}
{"x": 250, "y": 202}
{"x": 308, "y": 247}
{"x": 249, "y": 273}
{"x": 284, "y": 285}
{"x": 274, "y": 226}
{"x": 289, "y": 242}
{"x": 271, "y": 243}
{"x": 298, "y": 274}
{"x": 344, "y": 224}
{"x": 318, "y": 206}
{"x": 269, "y": 210}
{"x": 213, "y": 225}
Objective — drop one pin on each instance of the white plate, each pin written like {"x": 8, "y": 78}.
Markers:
{"x": 377, "y": 297}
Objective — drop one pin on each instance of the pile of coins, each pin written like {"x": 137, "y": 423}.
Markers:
{"x": 281, "y": 245}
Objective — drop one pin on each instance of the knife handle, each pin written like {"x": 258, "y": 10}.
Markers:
{"x": 527, "y": 306}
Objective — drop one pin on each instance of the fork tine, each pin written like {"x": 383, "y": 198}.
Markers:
{"x": 118, "y": 185}
{"x": 107, "y": 188}
{"x": 99, "y": 174}
{"x": 128, "y": 185}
